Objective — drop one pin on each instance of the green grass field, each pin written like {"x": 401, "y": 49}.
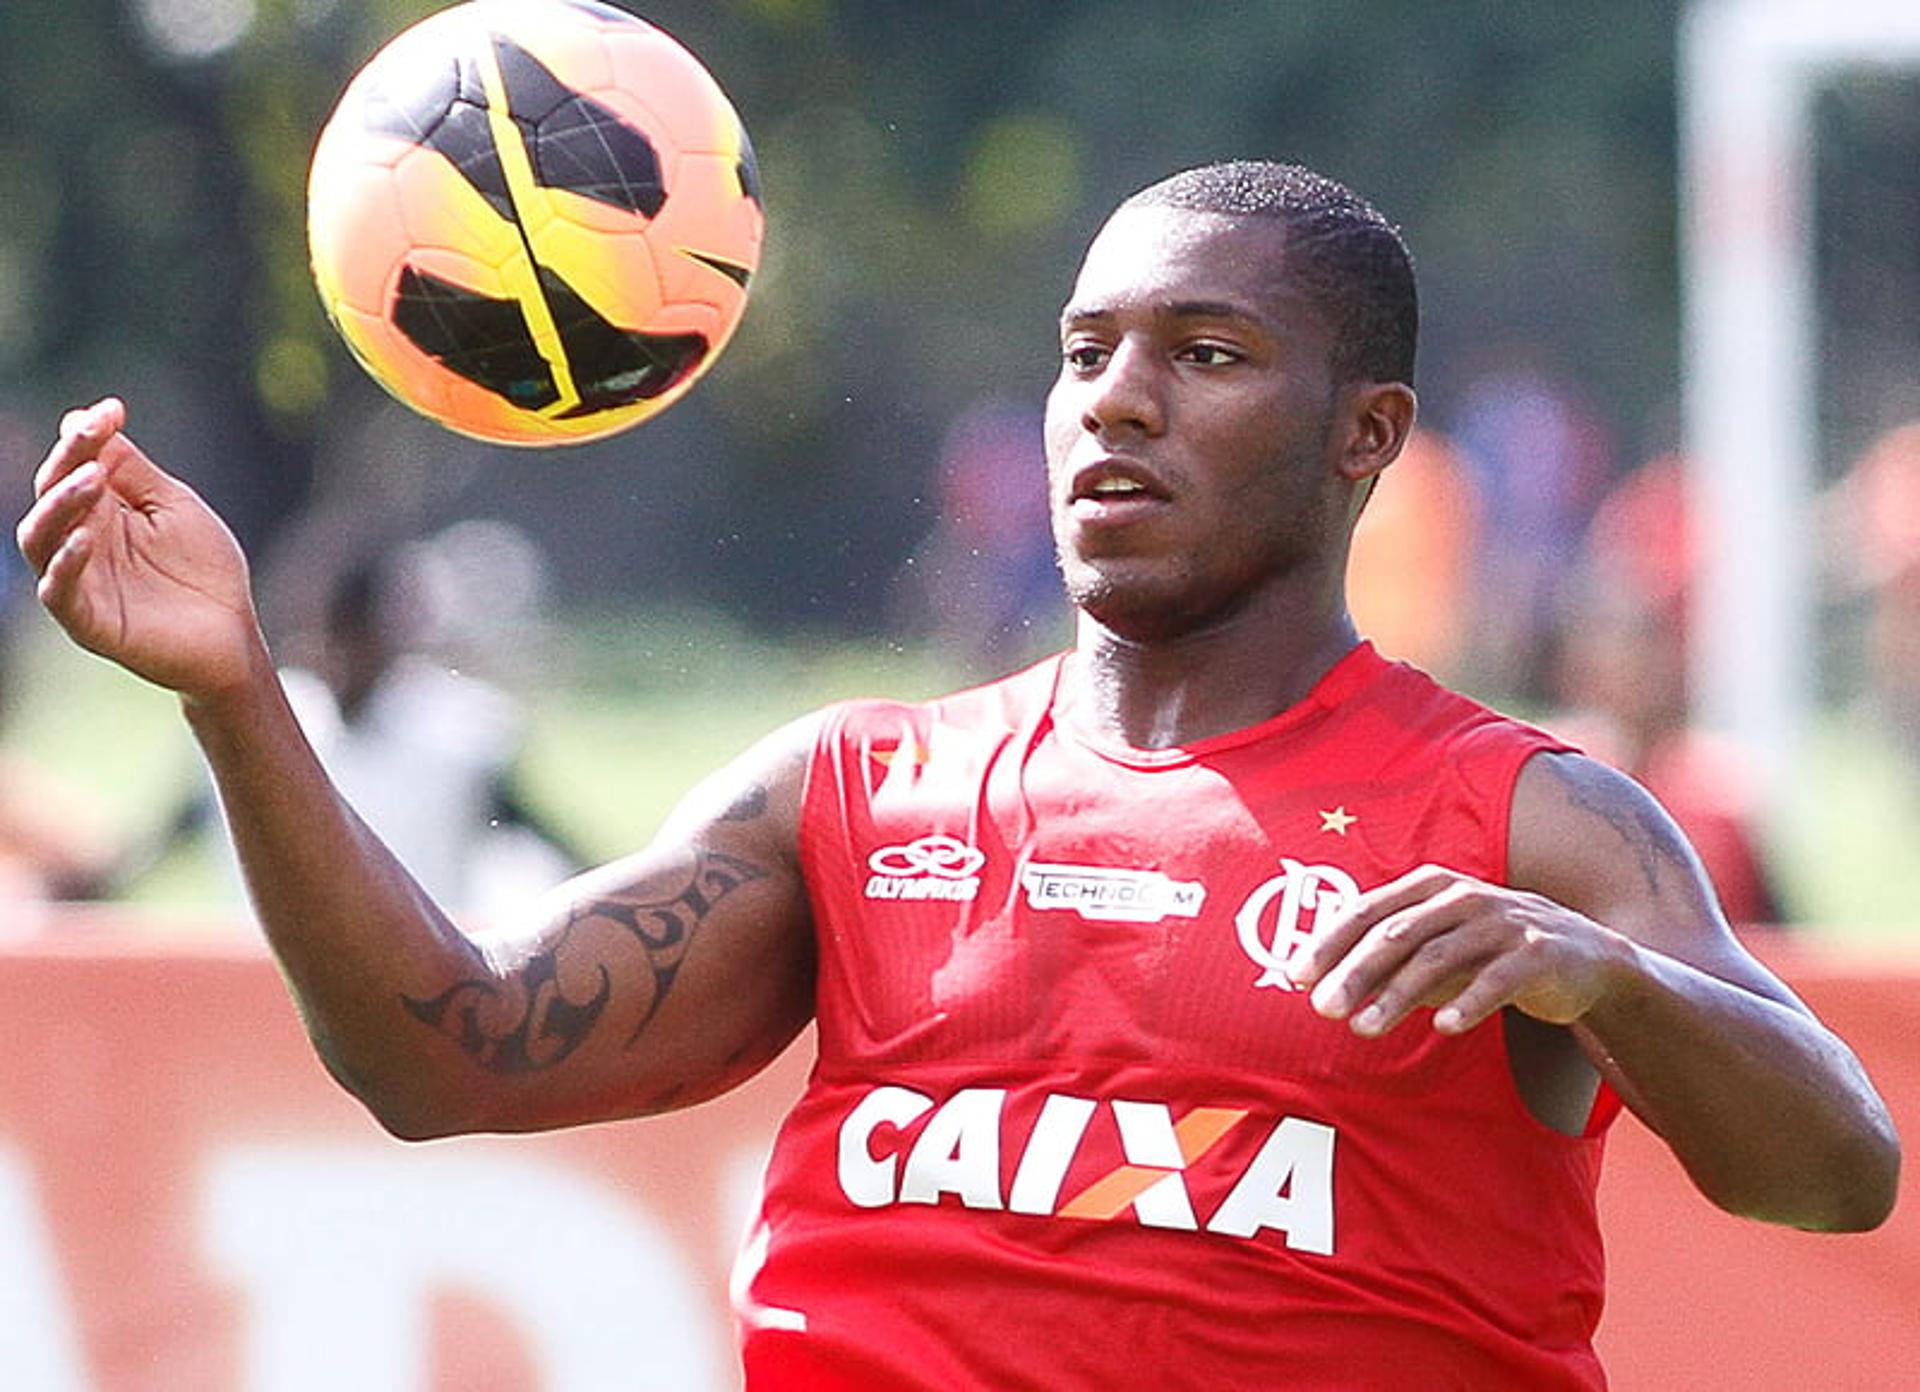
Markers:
{"x": 625, "y": 714}
{"x": 623, "y": 717}
{"x": 648, "y": 709}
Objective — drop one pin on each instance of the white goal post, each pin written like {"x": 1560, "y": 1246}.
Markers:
{"x": 1748, "y": 72}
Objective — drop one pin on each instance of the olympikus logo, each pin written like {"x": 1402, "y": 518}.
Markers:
{"x": 932, "y": 867}
{"x": 1107, "y": 895}
{"x": 1287, "y": 1186}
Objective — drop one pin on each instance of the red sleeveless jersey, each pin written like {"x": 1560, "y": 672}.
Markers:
{"x": 1071, "y": 1127}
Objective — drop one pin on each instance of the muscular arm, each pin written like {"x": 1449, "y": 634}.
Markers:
{"x": 654, "y": 982}
{"x": 1609, "y": 936}
{"x": 1770, "y": 1113}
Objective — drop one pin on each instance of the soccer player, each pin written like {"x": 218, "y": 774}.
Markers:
{"x": 1216, "y": 1004}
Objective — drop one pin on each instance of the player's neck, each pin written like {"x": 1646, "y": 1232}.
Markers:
{"x": 1165, "y": 692}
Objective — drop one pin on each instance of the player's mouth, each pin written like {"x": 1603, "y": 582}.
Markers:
{"x": 1114, "y": 490}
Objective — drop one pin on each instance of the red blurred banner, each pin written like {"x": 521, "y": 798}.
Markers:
{"x": 1710, "y": 1303}
{"x": 189, "y": 1204}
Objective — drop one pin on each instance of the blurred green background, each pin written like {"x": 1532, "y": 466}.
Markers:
{"x": 931, "y": 173}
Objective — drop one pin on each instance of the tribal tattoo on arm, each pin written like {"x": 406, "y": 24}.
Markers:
{"x": 527, "y": 1021}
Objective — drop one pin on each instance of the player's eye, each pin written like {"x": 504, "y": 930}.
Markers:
{"x": 1084, "y": 357}
{"x": 1209, "y": 354}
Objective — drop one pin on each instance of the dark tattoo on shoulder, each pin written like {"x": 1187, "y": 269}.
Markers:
{"x": 750, "y": 804}
{"x": 1631, "y": 813}
{"x": 529, "y": 1021}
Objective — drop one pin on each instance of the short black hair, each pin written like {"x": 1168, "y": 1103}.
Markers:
{"x": 1348, "y": 258}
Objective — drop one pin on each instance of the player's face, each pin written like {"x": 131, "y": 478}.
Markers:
{"x": 1188, "y": 433}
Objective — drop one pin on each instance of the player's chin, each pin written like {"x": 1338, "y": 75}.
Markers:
{"x": 1134, "y": 600}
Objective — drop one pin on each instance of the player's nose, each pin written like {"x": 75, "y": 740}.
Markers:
{"x": 1126, "y": 395}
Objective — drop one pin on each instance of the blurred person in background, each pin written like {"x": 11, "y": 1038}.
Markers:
{"x": 1410, "y": 577}
{"x": 983, "y": 585}
{"x": 54, "y": 844}
{"x": 1215, "y": 1002}
{"x": 1875, "y": 525}
{"x": 386, "y": 682}
{"x": 1540, "y": 463}
{"x": 1893, "y": 660}
{"x": 394, "y": 697}
{"x": 1620, "y": 680}
{"x": 1857, "y": 815}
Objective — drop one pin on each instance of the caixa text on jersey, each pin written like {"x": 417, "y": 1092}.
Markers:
{"x": 1286, "y": 1187}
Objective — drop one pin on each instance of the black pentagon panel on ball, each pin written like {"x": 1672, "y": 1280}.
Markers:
{"x": 446, "y": 112}
{"x": 413, "y": 110}
{"x": 466, "y": 139}
{"x": 613, "y": 366}
{"x": 481, "y": 339}
{"x": 575, "y": 143}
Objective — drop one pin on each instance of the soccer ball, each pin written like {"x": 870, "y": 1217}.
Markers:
{"x": 534, "y": 221}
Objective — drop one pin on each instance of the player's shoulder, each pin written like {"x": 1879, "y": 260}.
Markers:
{"x": 1589, "y": 836}
{"x": 1578, "y": 796}
{"x": 1440, "y": 714}
{"x": 1004, "y": 703}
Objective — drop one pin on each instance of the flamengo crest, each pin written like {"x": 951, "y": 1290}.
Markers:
{"x": 1283, "y": 914}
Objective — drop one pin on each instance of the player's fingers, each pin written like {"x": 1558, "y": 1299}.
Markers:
{"x": 72, "y": 449}
{"x": 109, "y": 414}
{"x": 83, "y": 433}
{"x": 1370, "y": 964}
{"x": 1434, "y": 974}
{"x": 1334, "y": 937}
{"x": 60, "y": 581}
{"x": 61, "y": 508}
{"x": 1494, "y": 986}
{"x": 1333, "y": 941}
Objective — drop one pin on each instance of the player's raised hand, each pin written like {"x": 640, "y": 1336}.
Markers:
{"x": 134, "y": 565}
{"x": 1440, "y": 938}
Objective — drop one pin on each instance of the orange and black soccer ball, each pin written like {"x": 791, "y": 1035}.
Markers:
{"x": 534, "y": 220}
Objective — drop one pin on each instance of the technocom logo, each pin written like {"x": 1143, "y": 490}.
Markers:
{"x": 1108, "y": 895}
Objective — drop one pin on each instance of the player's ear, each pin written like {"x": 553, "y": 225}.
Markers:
{"x": 1379, "y": 417}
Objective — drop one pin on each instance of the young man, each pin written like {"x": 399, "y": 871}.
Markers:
{"x": 1215, "y": 1004}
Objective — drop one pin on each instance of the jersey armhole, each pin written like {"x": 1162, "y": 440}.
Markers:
{"x": 1606, "y": 1106}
